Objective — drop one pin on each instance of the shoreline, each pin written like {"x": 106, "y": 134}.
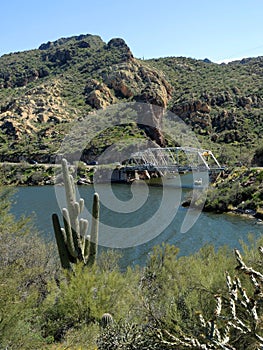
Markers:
{"x": 257, "y": 216}
{"x": 25, "y": 174}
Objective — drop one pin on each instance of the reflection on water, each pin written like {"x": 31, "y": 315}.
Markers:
{"x": 128, "y": 212}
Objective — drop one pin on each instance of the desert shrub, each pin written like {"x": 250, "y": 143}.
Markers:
{"x": 174, "y": 289}
{"x": 258, "y": 157}
{"x": 84, "y": 296}
{"x": 26, "y": 266}
{"x": 217, "y": 310}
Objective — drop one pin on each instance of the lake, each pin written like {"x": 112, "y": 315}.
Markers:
{"x": 135, "y": 218}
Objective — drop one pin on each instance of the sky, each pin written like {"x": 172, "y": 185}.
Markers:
{"x": 220, "y": 30}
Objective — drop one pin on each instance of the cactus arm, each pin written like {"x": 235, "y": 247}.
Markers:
{"x": 62, "y": 249}
{"x": 70, "y": 196}
{"x": 64, "y": 235}
{"x": 69, "y": 189}
{"x": 83, "y": 226}
{"x": 86, "y": 248}
{"x": 93, "y": 244}
{"x": 72, "y": 185}
{"x": 74, "y": 220}
{"x": 76, "y": 209}
{"x": 71, "y": 242}
{"x": 81, "y": 204}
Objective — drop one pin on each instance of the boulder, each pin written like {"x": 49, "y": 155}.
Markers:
{"x": 98, "y": 95}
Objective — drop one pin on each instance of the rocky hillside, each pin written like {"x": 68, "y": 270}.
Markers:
{"x": 43, "y": 90}
{"x": 238, "y": 191}
{"x": 222, "y": 101}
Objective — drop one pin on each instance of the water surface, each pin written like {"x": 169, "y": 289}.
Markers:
{"x": 126, "y": 209}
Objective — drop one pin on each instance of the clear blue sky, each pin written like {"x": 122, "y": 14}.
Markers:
{"x": 216, "y": 29}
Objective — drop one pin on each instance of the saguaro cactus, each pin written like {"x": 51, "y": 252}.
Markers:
{"x": 73, "y": 242}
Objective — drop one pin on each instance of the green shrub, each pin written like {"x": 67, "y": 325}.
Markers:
{"x": 26, "y": 266}
{"x": 211, "y": 309}
{"x": 85, "y": 295}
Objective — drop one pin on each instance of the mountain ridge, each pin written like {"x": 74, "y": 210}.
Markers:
{"x": 43, "y": 90}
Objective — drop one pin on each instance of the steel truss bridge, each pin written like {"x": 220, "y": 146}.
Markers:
{"x": 180, "y": 159}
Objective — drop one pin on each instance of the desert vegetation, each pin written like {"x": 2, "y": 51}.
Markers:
{"x": 171, "y": 303}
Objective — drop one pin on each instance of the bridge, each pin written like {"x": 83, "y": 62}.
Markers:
{"x": 180, "y": 159}
{"x": 159, "y": 166}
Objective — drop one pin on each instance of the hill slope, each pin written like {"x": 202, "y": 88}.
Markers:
{"x": 43, "y": 90}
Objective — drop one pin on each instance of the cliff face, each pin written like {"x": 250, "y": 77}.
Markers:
{"x": 132, "y": 81}
{"x": 129, "y": 80}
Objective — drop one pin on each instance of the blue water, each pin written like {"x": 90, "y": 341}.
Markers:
{"x": 132, "y": 221}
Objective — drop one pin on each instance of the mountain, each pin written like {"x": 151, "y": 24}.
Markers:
{"x": 43, "y": 91}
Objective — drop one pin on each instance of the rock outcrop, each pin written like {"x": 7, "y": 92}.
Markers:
{"x": 195, "y": 113}
{"x": 39, "y": 106}
{"x": 131, "y": 81}
{"x": 219, "y": 115}
{"x": 122, "y": 47}
{"x": 98, "y": 95}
